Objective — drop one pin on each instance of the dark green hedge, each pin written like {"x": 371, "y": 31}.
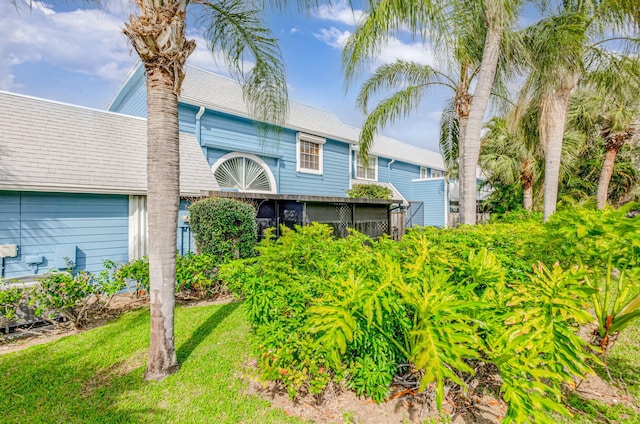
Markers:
{"x": 225, "y": 228}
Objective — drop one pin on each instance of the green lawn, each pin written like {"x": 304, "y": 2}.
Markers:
{"x": 96, "y": 376}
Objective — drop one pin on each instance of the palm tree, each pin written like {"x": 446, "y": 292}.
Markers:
{"x": 416, "y": 81}
{"x": 609, "y": 116}
{"x": 574, "y": 44}
{"x": 507, "y": 158}
{"x": 510, "y": 153}
{"x": 472, "y": 32}
{"x": 157, "y": 33}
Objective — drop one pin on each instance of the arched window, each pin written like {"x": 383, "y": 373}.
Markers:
{"x": 244, "y": 172}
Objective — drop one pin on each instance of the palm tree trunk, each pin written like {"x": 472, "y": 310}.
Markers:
{"x": 462, "y": 105}
{"x": 158, "y": 35}
{"x": 163, "y": 196}
{"x": 479, "y": 104}
{"x": 605, "y": 175}
{"x": 553, "y": 122}
{"x": 526, "y": 177}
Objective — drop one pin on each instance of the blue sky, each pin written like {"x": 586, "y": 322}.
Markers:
{"x": 71, "y": 52}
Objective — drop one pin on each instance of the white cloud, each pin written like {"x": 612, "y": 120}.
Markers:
{"x": 333, "y": 37}
{"x": 203, "y": 58}
{"x": 84, "y": 41}
{"x": 340, "y": 12}
{"x": 394, "y": 49}
{"x": 293, "y": 30}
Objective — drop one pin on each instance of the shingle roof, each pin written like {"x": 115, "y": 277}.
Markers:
{"x": 215, "y": 92}
{"x": 51, "y": 146}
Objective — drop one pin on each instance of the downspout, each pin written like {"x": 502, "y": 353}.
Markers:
{"x": 389, "y": 170}
{"x": 199, "y": 127}
{"x": 351, "y": 149}
{"x": 278, "y": 173}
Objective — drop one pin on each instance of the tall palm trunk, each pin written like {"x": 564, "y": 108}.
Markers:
{"x": 462, "y": 105}
{"x": 526, "y": 178}
{"x": 479, "y": 103}
{"x": 553, "y": 120}
{"x": 614, "y": 143}
{"x": 163, "y": 196}
{"x": 158, "y": 35}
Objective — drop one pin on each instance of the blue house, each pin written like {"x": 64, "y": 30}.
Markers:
{"x": 73, "y": 179}
{"x": 73, "y": 185}
{"x": 315, "y": 154}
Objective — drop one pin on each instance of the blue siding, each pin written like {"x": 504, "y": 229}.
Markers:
{"x": 384, "y": 171}
{"x": 433, "y": 194}
{"x": 402, "y": 176}
{"x": 222, "y": 134}
{"x": 133, "y": 99}
{"x": 97, "y": 225}
{"x": 187, "y": 118}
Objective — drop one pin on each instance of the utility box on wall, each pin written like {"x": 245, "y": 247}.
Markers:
{"x": 8, "y": 250}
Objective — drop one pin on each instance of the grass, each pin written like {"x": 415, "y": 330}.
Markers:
{"x": 96, "y": 376}
{"x": 624, "y": 366}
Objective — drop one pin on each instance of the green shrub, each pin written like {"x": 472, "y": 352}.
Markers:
{"x": 225, "y": 228}
{"x": 370, "y": 191}
{"x": 10, "y": 299}
{"x": 133, "y": 275}
{"x": 607, "y": 243}
{"x": 64, "y": 293}
{"x": 354, "y": 310}
{"x": 197, "y": 275}
{"x": 106, "y": 282}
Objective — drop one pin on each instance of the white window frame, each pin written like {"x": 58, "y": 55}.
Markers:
{"x": 356, "y": 160}
{"x": 424, "y": 173}
{"x": 320, "y": 141}
{"x": 258, "y": 160}
{"x": 439, "y": 171}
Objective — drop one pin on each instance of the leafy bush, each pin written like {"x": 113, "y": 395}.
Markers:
{"x": 370, "y": 191}
{"x": 355, "y": 310}
{"x": 64, "y": 293}
{"x": 198, "y": 275}
{"x": 106, "y": 284}
{"x": 607, "y": 243}
{"x": 10, "y": 299}
{"x": 225, "y": 228}
{"x": 133, "y": 275}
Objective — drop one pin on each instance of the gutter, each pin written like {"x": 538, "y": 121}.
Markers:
{"x": 199, "y": 126}
{"x": 389, "y": 169}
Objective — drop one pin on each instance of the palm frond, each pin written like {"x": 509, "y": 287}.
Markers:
{"x": 401, "y": 73}
{"x": 397, "y": 106}
{"x": 240, "y": 34}
{"x": 386, "y": 18}
{"x": 449, "y": 140}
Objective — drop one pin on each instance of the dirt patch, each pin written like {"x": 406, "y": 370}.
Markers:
{"x": 598, "y": 389}
{"x": 479, "y": 406}
{"x": 340, "y": 405}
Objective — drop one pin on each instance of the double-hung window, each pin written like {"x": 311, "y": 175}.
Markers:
{"x": 368, "y": 172}
{"x": 309, "y": 153}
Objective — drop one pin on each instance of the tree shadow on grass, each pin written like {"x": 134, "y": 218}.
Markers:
{"x": 204, "y": 330}
{"x": 70, "y": 381}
